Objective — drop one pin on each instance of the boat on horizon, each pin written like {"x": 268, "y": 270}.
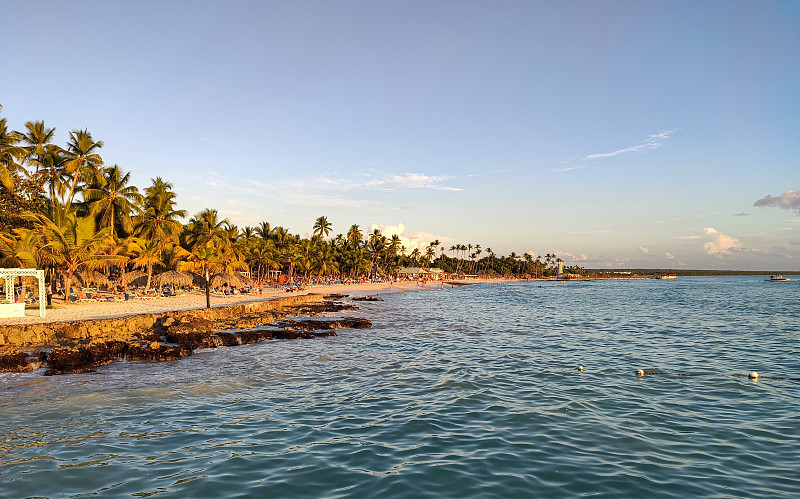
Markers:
{"x": 667, "y": 276}
{"x": 775, "y": 278}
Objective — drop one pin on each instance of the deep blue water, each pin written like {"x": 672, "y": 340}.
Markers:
{"x": 461, "y": 392}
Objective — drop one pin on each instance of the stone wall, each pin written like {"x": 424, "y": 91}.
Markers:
{"x": 127, "y": 327}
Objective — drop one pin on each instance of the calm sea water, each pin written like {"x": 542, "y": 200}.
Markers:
{"x": 462, "y": 392}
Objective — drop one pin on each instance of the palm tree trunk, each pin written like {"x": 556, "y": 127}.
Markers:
{"x": 67, "y": 282}
{"x": 149, "y": 277}
{"x": 208, "y": 290}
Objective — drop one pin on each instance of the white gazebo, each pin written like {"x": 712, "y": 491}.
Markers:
{"x": 9, "y": 308}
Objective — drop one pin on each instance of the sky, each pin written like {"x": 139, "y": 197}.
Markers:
{"x": 615, "y": 134}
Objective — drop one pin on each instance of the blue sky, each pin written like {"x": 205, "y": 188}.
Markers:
{"x": 615, "y": 134}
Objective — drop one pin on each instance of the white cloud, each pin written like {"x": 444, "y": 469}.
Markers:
{"x": 644, "y": 249}
{"x": 651, "y": 142}
{"x": 411, "y": 240}
{"x": 720, "y": 244}
{"x": 372, "y": 181}
{"x": 669, "y": 256}
{"x": 789, "y": 200}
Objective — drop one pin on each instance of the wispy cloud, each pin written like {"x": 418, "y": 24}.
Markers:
{"x": 740, "y": 214}
{"x": 603, "y": 231}
{"x": 373, "y": 181}
{"x": 669, "y": 256}
{"x": 651, "y": 142}
{"x": 789, "y": 200}
{"x": 644, "y": 249}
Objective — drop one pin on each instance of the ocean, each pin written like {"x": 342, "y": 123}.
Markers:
{"x": 468, "y": 391}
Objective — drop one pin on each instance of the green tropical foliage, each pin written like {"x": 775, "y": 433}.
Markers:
{"x": 63, "y": 209}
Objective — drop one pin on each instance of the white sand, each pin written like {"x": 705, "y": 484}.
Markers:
{"x": 98, "y": 310}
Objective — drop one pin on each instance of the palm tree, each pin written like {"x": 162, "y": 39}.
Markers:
{"x": 206, "y": 260}
{"x": 11, "y": 155}
{"x": 72, "y": 243}
{"x": 204, "y": 227}
{"x": 325, "y": 261}
{"x": 82, "y": 158}
{"x": 147, "y": 254}
{"x": 264, "y": 231}
{"x": 113, "y": 201}
{"x": 322, "y": 227}
{"x": 354, "y": 236}
{"x": 159, "y": 218}
{"x": 36, "y": 140}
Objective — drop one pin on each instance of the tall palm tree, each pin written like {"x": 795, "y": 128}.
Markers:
{"x": 159, "y": 218}
{"x": 36, "y": 139}
{"x": 354, "y": 236}
{"x": 322, "y": 227}
{"x": 73, "y": 244}
{"x": 113, "y": 201}
{"x": 82, "y": 159}
{"x": 205, "y": 227}
{"x": 11, "y": 155}
{"x": 206, "y": 260}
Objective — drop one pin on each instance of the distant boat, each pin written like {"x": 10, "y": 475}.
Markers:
{"x": 667, "y": 276}
{"x": 777, "y": 278}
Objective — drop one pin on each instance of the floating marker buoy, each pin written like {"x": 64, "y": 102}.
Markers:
{"x": 753, "y": 375}
{"x": 640, "y": 372}
{"x": 580, "y": 367}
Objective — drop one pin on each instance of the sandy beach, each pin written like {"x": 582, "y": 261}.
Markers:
{"x": 194, "y": 300}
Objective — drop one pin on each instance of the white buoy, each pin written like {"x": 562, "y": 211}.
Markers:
{"x": 753, "y": 375}
{"x": 640, "y": 372}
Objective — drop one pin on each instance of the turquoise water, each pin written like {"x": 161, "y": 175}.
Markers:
{"x": 461, "y": 392}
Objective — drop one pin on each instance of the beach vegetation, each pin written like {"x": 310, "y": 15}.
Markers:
{"x": 65, "y": 210}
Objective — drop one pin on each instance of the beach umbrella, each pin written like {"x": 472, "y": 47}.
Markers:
{"x": 129, "y": 277}
{"x": 92, "y": 277}
{"x": 231, "y": 279}
{"x": 173, "y": 278}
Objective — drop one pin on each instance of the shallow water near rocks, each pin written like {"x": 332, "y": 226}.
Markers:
{"x": 458, "y": 392}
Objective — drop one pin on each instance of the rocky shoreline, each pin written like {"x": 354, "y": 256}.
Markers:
{"x": 65, "y": 348}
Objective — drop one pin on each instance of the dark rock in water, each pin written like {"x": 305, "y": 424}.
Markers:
{"x": 315, "y": 309}
{"x": 334, "y": 296}
{"x": 354, "y": 323}
{"x": 317, "y": 324}
{"x": 105, "y": 353}
{"x": 69, "y": 360}
{"x": 157, "y": 351}
{"x": 367, "y": 298}
{"x": 194, "y": 339}
{"x": 13, "y": 360}
{"x": 229, "y": 339}
{"x": 294, "y": 334}
{"x": 254, "y": 336}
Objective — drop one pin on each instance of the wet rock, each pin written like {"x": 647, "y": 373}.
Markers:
{"x": 229, "y": 339}
{"x": 367, "y": 298}
{"x": 13, "y": 360}
{"x": 323, "y": 307}
{"x": 69, "y": 360}
{"x": 104, "y": 353}
{"x": 162, "y": 353}
{"x": 295, "y": 334}
{"x": 334, "y": 296}
{"x": 317, "y": 324}
{"x": 194, "y": 339}
{"x": 254, "y": 336}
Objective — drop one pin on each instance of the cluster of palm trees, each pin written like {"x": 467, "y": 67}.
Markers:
{"x": 64, "y": 210}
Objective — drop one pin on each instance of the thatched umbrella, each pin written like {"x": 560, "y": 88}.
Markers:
{"x": 231, "y": 279}
{"x": 173, "y": 278}
{"x": 129, "y": 277}
{"x": 92, "y": 277}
